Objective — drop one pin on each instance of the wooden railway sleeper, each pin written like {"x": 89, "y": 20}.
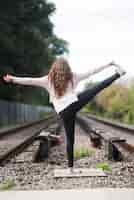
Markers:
{"x": 47, "y": 140}
{"x": 112, "y": 149}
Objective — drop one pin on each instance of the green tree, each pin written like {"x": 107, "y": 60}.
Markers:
{"x": 112, "y": 102}
{"x": 28, "y": 44}
{"x": 129, "y": 112}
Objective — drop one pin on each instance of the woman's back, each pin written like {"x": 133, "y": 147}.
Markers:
{"x": 69, "y": 96}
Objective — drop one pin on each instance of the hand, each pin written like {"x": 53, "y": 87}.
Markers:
{"x": 8, "y": 78}
{"x": 112, "y": 63}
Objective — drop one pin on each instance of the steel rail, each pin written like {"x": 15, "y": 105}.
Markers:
{"x": 25, "y": 141}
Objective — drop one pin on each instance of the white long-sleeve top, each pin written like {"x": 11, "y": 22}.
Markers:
{"x": 70, "y": 96}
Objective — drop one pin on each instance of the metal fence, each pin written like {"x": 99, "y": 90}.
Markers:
{"x": 16, "y": 113}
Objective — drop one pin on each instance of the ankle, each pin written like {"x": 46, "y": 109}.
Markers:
{"x": 71, "y": 169}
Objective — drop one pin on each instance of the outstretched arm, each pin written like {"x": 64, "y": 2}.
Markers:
{"x": 82, "y": 76}
{"x": 41, "y": 81}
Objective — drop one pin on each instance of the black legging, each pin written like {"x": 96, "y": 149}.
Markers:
{"x": 68, "y": 114}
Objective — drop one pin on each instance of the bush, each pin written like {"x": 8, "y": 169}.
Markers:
{"x": 115, "y": 102}
{"x": 82, "y": 152}
{"x": 6, "y": 185}
{"x": 104, "y": 166}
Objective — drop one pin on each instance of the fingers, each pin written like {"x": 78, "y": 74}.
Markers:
{"x": 4, "y": 77}
{"x": 7, "y": 78}
{"x": 112, "y": 62}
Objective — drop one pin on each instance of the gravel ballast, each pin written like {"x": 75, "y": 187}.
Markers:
{"x": 39, "y": 176}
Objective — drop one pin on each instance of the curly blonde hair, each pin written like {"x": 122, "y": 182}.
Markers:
{"x": 60, "y": 75}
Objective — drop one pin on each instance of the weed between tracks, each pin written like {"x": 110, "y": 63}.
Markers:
{"x": 104, "y": 167}
{"x": 82, "y": 152}
{"x": 7, "y": 185}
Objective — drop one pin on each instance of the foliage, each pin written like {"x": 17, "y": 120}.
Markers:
{"x": 6, "y": 185}
{"x": 28, "y": 45}
{"x": 115, "y": 102}
{"x": 104, "y": 167}
{"x": 82, "y": 152}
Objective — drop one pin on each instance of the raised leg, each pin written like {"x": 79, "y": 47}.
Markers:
{"x": 89, "y": 94}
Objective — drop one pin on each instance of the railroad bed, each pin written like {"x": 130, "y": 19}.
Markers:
{"x": 15, "y": 140}
{"x": 28, "y": 175}
{"x": 118, "y": 137}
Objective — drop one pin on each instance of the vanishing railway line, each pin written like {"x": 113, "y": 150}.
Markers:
{"x": 15, "y": 140}
{"x": 39, "y": 175}
{"x": 119, "y": 137}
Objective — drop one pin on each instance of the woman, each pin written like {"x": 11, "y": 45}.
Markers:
{"x": 61, "y": 83}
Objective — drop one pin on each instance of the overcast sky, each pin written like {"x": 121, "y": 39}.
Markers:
{"x": 97, "y": 32}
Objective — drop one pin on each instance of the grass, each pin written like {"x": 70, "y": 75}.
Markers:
{"x": 82, "y": 152}
{"x": 7, "y": 185}
{"x": 104, "y": 167}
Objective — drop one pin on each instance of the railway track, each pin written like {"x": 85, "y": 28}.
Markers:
{"x": 15, "y": 140}
{"x": 39, "y": 175}
{"x": 119, "y": 138}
